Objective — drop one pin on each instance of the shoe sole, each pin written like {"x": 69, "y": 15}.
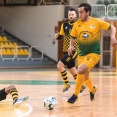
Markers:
{"x": 21, "y": 102}
{"x": 80, "y": 94}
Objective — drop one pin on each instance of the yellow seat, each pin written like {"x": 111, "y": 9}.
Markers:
{"x": 15, "y": 44}
{"x": 18, "y": 52}
{"x": 1, "y": 43}
{"x": 10, "y": 43}
{"x": 8, "y": 52}
{"x": 12, "y": 51}
{"x": 6, "y": 43}
{"x": 22, "y": 52}
{"x": 26, "y": 52}
{"x": 0, "y": 38}
{"x": 4, "y": 52}
{"x": 4, "y": 38}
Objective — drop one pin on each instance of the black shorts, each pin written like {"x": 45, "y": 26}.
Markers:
{"x": 2, "y": 94}
{"x": 69, "y": 61}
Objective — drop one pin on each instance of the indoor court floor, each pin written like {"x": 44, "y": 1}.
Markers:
{"x": 41, "y": 83}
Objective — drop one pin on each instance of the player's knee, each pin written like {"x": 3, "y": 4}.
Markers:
{"x": 60, "y": 65}
{"x": 81, "y": 71}
{"x": 73, "y": 71}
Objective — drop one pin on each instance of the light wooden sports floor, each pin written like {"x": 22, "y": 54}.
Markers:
{"x": 41, "y": 83}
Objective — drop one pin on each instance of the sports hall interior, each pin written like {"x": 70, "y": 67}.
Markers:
{"x": 28, "y": 59}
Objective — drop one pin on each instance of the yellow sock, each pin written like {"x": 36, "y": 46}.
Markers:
{"x": 89, "y": 84}
{"x": 79, "y": 82}
{"x": 14, "y": 94}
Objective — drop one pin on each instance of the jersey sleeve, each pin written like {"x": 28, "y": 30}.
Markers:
{"x": 104, "y": 25}
{"x": 73, "y": 32}
{"x": 62, "y": 31}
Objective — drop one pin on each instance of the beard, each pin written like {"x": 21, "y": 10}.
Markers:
{"x": 71, "y": 20}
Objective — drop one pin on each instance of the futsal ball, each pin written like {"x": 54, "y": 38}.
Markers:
{"x": 50, "y": 102}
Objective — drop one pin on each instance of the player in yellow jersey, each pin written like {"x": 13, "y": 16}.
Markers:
{"x": 87, "y": 30}
{"x": 66, "y": 59}
{"x": 14, "y": 93}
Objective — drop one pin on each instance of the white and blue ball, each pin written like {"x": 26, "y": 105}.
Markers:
{"x": 50, "y": 102}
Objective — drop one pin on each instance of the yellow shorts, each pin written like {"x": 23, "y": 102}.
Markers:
{"x": 90, "y": 60}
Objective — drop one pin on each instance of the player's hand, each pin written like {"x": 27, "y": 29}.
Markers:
{"x": 70, "y": 49}
{"x": 56, "y": 35}
{"x": 113, "y": 41}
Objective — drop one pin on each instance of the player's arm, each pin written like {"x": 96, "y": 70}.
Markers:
{"x": 112, "y": 35}
{"x": 70, "y": 49}
{"x": 105, "y": 25}
{"x": 60, "y": 34}
{"x": 73, "y": 35}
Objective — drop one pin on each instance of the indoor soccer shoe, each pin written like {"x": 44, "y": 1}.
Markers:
{"x": 66, "y": 87}
{"x": 20, "y": 101}
{"x": 92, "y": 94}
{"x": 72, "y": 99}
{"x": 82, "y": 89}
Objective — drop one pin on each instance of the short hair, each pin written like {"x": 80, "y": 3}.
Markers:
{"x": 87, "y": 7}
{"x": 72, "y": 9}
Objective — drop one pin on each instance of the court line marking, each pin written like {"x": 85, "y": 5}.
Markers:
{"x": 30, "y": 110}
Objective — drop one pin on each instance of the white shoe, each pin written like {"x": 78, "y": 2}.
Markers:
{"x": 19, "y": 101}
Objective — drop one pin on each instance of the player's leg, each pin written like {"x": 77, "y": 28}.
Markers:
{"x": 74, "y": 74}
{"x": 14, "y": 93}
{"x": 61, "y": 67}
{"x": 91, "y": 60}
{"x": 72, "y": 68}
{"x": 85, "y": 64}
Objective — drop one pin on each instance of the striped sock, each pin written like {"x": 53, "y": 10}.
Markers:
{"x": 14, "y": 94}
{"x": 75, "y": 76}
{"x": 64, "y": 76}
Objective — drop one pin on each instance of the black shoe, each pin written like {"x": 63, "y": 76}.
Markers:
{"x": 82, "y": 89}
{"x": 92, "y": 94}
{"x": 72, "y": 99}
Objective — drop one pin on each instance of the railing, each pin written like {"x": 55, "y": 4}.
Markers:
{"x": 3, "y": 55}
{"x": 25, "y": 56}
{"x": 36, "y": 58}
{"x": 98, "y": 11}
{"x": 21, "y": 56}
{"x": 112, "y": 11}
{"x": 53, "y": 2}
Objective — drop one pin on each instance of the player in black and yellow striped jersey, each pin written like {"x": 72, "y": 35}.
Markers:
{"x": 67, "y": 60}
{"x": 14, "y": 93}
{"x": 87, "y": 30}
